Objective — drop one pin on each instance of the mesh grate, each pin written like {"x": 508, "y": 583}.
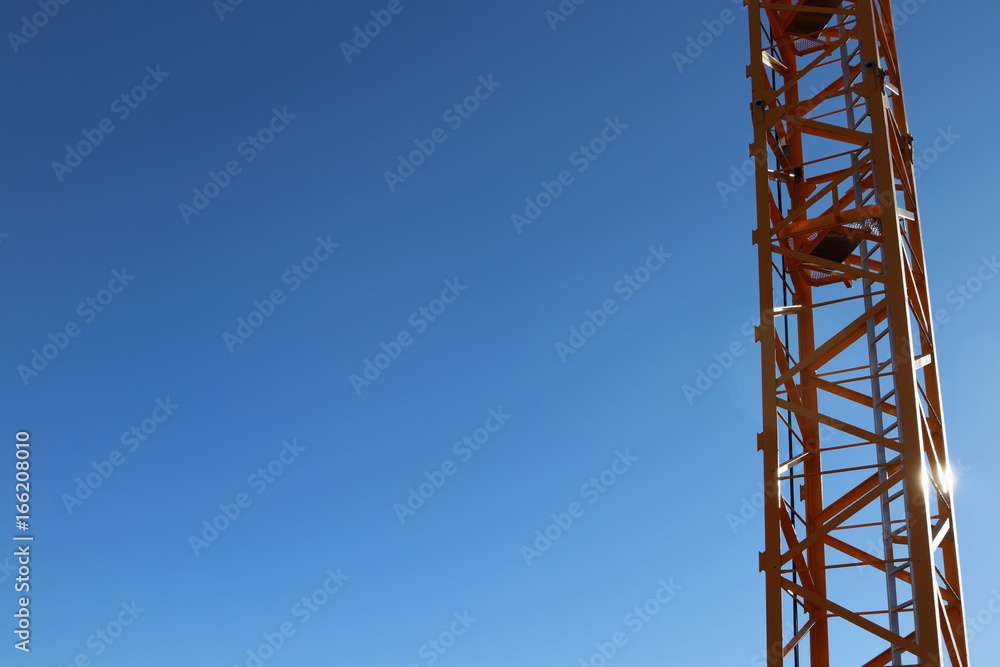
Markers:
{"x": 836, "y": 245}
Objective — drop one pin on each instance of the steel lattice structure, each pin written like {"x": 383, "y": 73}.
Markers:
{"x": 860, "y": 559}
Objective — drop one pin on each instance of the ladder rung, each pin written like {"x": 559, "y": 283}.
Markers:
{"x": 883, "y": 399}
{"x": 902, "y": 605}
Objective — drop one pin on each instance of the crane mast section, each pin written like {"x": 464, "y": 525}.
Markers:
{"x": 860, "y": 552}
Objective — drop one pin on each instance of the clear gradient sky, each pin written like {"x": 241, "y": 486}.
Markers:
{"x": 230, "y": 251}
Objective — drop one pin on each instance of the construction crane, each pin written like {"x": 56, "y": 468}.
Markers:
{"x": 860, "y": 552}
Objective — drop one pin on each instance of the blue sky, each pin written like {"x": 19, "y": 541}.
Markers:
{"x": 255, "y": 119}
